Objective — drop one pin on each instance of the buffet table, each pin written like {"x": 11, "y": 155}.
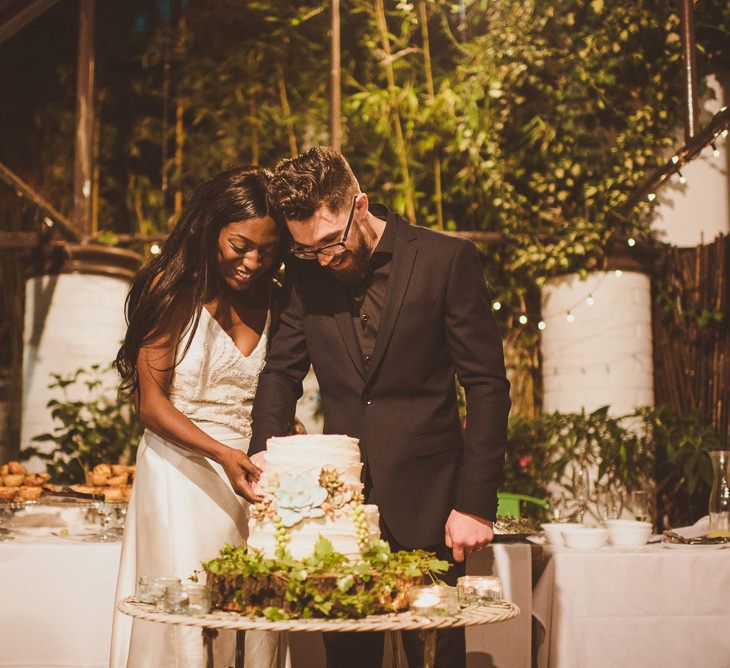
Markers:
{"x": 56, "y": 601}
{"x": 648, "y": 606}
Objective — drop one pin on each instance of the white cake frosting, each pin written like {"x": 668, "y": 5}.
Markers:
{"x": 293, "y": 479}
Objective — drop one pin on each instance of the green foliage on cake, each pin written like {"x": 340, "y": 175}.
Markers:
{"x": 327, "y": 585}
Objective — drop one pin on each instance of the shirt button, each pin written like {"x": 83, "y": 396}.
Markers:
{"x": 366, "y": 358}
{"x": 364, "y": 317}
{"x": 367, "y": 400}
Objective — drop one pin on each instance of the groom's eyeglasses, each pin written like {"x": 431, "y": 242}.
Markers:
{"x": 330, "y": 250}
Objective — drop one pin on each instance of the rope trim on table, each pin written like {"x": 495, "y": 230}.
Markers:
{"x": 405, "y": 621}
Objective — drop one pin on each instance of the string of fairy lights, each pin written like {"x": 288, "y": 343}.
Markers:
{"x": 588, "y": 298}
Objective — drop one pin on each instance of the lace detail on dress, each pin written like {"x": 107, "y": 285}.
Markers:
{"x": 214, "y": 381}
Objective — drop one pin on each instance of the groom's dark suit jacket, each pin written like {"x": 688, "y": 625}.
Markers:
{"x": 436, "y": 323}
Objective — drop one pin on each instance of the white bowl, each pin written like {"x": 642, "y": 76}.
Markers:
{"x": 553, "y": 531}
{"x": 629, "y": 533}
{"x": 585, "y": 538}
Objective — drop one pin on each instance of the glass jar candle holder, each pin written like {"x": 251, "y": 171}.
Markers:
{"x": 433, "y": 601}
{"x": 151, "y": 589}
{"x": 479, "y": 589}
{"x": 186, "y": 599}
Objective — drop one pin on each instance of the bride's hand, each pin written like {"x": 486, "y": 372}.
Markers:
{"x": 259, "y": 460}
{"x": 242, "y": 473}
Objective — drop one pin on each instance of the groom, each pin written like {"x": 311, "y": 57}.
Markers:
{"x": 389, "y": 314}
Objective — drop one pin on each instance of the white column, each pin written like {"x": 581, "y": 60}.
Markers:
{"x": 597, "y": 342}
{"x": 698, "y": 211}
{"x": 71, "y": 321}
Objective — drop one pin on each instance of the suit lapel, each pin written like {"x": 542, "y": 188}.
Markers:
{"x": 404, "y": 255}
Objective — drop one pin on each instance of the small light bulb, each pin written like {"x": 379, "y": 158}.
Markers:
{"x": 682, "y": 179}
{"x": 715, "y": 151}
{"x": 675, "y": 159}
{"x": 496, "y": 305}
{"x": 651, "y": 197}
{"x": 590, "y": 301}
{"x": 569, "y": 317}
{"x": 724, "y": 133}
{"x": 155, "y": 249}
{"x": 618, "y": 273}
{"x": 631, "y": 242}
{"x": 48, "y": 221}
{"x": 541, "y": 325}
{"x": 523, "y": 319}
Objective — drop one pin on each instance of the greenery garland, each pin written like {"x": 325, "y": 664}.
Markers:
{"x": 327, "y": 584}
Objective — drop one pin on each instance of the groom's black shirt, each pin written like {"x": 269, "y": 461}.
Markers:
{"x": 368, "y": 297}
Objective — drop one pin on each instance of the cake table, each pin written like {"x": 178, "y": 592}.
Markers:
{"x": 219, "y": 619}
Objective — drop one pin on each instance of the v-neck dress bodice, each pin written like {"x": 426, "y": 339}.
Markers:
{"x": 213, "y": 380}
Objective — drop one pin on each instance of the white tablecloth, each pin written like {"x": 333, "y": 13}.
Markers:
{"x": 648, "y": 606}
{"x": 56, "y": 602}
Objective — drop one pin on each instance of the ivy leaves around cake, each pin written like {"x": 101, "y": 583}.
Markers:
{"x": 325, "y": 585}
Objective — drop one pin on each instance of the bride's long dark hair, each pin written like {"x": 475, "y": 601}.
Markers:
{"x": 184, "y": 275}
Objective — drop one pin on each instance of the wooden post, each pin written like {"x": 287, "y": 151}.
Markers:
{"x": 83, "y": 168}
{"x": 335, "y": 80}
{"x": 689, "y": 66}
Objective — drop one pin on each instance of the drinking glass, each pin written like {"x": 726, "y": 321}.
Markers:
{"x": 581, "y": 487}
{"x": 107, "y": 534}
{"x": 6, "y": 514}
{"x": 719, "y": 505}
{"x": 186, "y": 599}
{"x": 609, "y": 503}
{"x": 641, "y": 505}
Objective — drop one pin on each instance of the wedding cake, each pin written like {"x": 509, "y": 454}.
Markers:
{"x": 310, "y": 488}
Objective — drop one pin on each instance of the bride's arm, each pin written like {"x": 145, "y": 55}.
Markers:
{"x": 154, "y": 370}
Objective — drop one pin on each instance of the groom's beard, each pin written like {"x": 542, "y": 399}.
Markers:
{"x": 356, "y": 268}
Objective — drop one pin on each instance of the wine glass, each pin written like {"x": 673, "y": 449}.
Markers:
{"x": 5, "y": 515}
{"x": 640, "y": 505}
{"x": 107, "y": 534}
{"x": 581, "y": 489}
{"x": 558, "y": 507}
{"x": 609, "y": 503}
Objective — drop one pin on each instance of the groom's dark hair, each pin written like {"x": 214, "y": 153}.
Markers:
{"x": 318, "y": 177}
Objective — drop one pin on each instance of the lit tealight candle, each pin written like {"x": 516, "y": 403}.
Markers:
{"x": 480, "y": 589}
{"x": 433, "y": 601}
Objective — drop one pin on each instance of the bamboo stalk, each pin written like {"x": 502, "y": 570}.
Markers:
{"x": 95, "y": 178}
{"x": 401, "y": 150}
{"x": 179, "y": 125}
{"x": 335, "y": 79}
{"x": 438, "y": 197}
{"x": 284, "y": 100}
{"x": 252, "y": 116}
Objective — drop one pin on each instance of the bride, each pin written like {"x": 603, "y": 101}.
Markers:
{"x": 198, "y": 319}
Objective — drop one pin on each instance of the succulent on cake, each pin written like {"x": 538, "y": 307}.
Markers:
{"x": 299, "y": 497}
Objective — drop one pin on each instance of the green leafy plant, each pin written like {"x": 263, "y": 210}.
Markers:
{"x": 327, "y": 584}
{"x": 100, "y": 428}
{"x": 625, "y": 453}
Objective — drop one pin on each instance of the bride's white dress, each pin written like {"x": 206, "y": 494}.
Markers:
{"x": 183, "y": 508}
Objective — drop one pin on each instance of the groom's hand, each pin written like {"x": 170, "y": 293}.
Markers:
{"x": 242, "y": 473}
{"x": 466, "y": 533}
